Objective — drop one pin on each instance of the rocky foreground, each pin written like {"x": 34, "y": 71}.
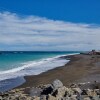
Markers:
{"x": 54, "y": 91}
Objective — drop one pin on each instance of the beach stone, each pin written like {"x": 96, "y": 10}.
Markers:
{"x": 84, "y": 92}
{"x": 36, "y": 98}
{"x": 77, "y": 90}
{"x": 57, "y": 84}
{"x": 47, "y": 90}
{"x": 91, "y": 93}
{"x": 96, "y": 98}
{"x": 43, "y": 97}
{"x": 50, "y": 97}
{"x": 86, "y": 98}
{"x": 69, "y": 91}
{"x": 73, "y": 85}
{"x": 28, "y": 98}
{"x": 22, "y": 98}
{"x": 60, "y": 92}
{"x": 97, "y": 92}
{"x": 73, "y": 97}
{"x": 59, "y": 98}
{"x": 35, "y": 92}
{"x": 0, "y": 98}
{"x": 11, "y": 97}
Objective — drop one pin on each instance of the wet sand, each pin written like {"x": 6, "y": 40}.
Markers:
{"x": 80, "y": 68}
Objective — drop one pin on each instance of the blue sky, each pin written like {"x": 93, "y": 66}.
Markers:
{"x": 86, "y": 11}
{"x": 49, "y": 25}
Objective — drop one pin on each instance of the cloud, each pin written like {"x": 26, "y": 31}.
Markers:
{"x": 37, "y": 33}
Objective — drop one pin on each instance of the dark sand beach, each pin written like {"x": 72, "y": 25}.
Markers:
{"x": 80, "y": 68}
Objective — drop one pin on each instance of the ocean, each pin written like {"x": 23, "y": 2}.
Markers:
{"x": 16, "y": 64}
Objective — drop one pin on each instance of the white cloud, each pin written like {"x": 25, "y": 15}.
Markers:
{"x": 36, "y": 33}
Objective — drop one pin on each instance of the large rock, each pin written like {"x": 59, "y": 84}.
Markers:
{"x": 57, "y": 84}
{"x": 49, "y": 89}
{"x": 60, "y": 92}
{"x": 35, "y": 92}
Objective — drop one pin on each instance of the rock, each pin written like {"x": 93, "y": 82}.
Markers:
{"x": 69, "y": 91}
{"x": 50, "y": 97}
{"x": 35, "y": 92}
{"x": 91, "y": 93}
{"x": 78, "y": 90}
{"x": 54, "y": 91}
{"x": 96, "y": 85}
{"x": 73, "y": 97}
{"x": 96, "y": 98}
{"x": 97, "y": 91}
{"x": 57, "y": 84}
{"x": 22, "y": 98}
{"x": 12, "y": 97}
{"x": 47, "y": 90}
{"x": 87, "y": 98}
{"x": 43, "y": 97}
{"x": 60, "y": 92}
{"x": 73, "y": 85}
{"x": 0, "y": 98}
{"x": 84, "y": 92}
{"x": 35, "y": 98}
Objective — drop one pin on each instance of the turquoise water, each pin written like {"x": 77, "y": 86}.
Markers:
{"x": 15, "y": 65}
{"x": 10, "y": 60}
{"x": 19, "y": 64}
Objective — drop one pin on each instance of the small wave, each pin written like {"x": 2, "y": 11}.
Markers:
{"x": 34, "y": 67}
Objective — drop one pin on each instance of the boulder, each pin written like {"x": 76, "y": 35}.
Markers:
{"x": 57, "y": 84}
{"x": 47, "y": 90}
{"x": 35, "y": 92}
{"x": 60, "y": 92}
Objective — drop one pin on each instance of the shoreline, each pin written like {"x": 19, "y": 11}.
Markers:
{"x": 79, "y": 68}
{"x": 28, "y": 78}
{"x": 13, "y": 82}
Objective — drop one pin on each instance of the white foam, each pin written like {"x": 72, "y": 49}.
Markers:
{"x": 33, "y": 67}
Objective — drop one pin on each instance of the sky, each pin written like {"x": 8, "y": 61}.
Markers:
{"x": 49, "y": 25}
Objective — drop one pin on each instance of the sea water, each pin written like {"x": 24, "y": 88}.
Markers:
{"x": 16, "y": 64}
